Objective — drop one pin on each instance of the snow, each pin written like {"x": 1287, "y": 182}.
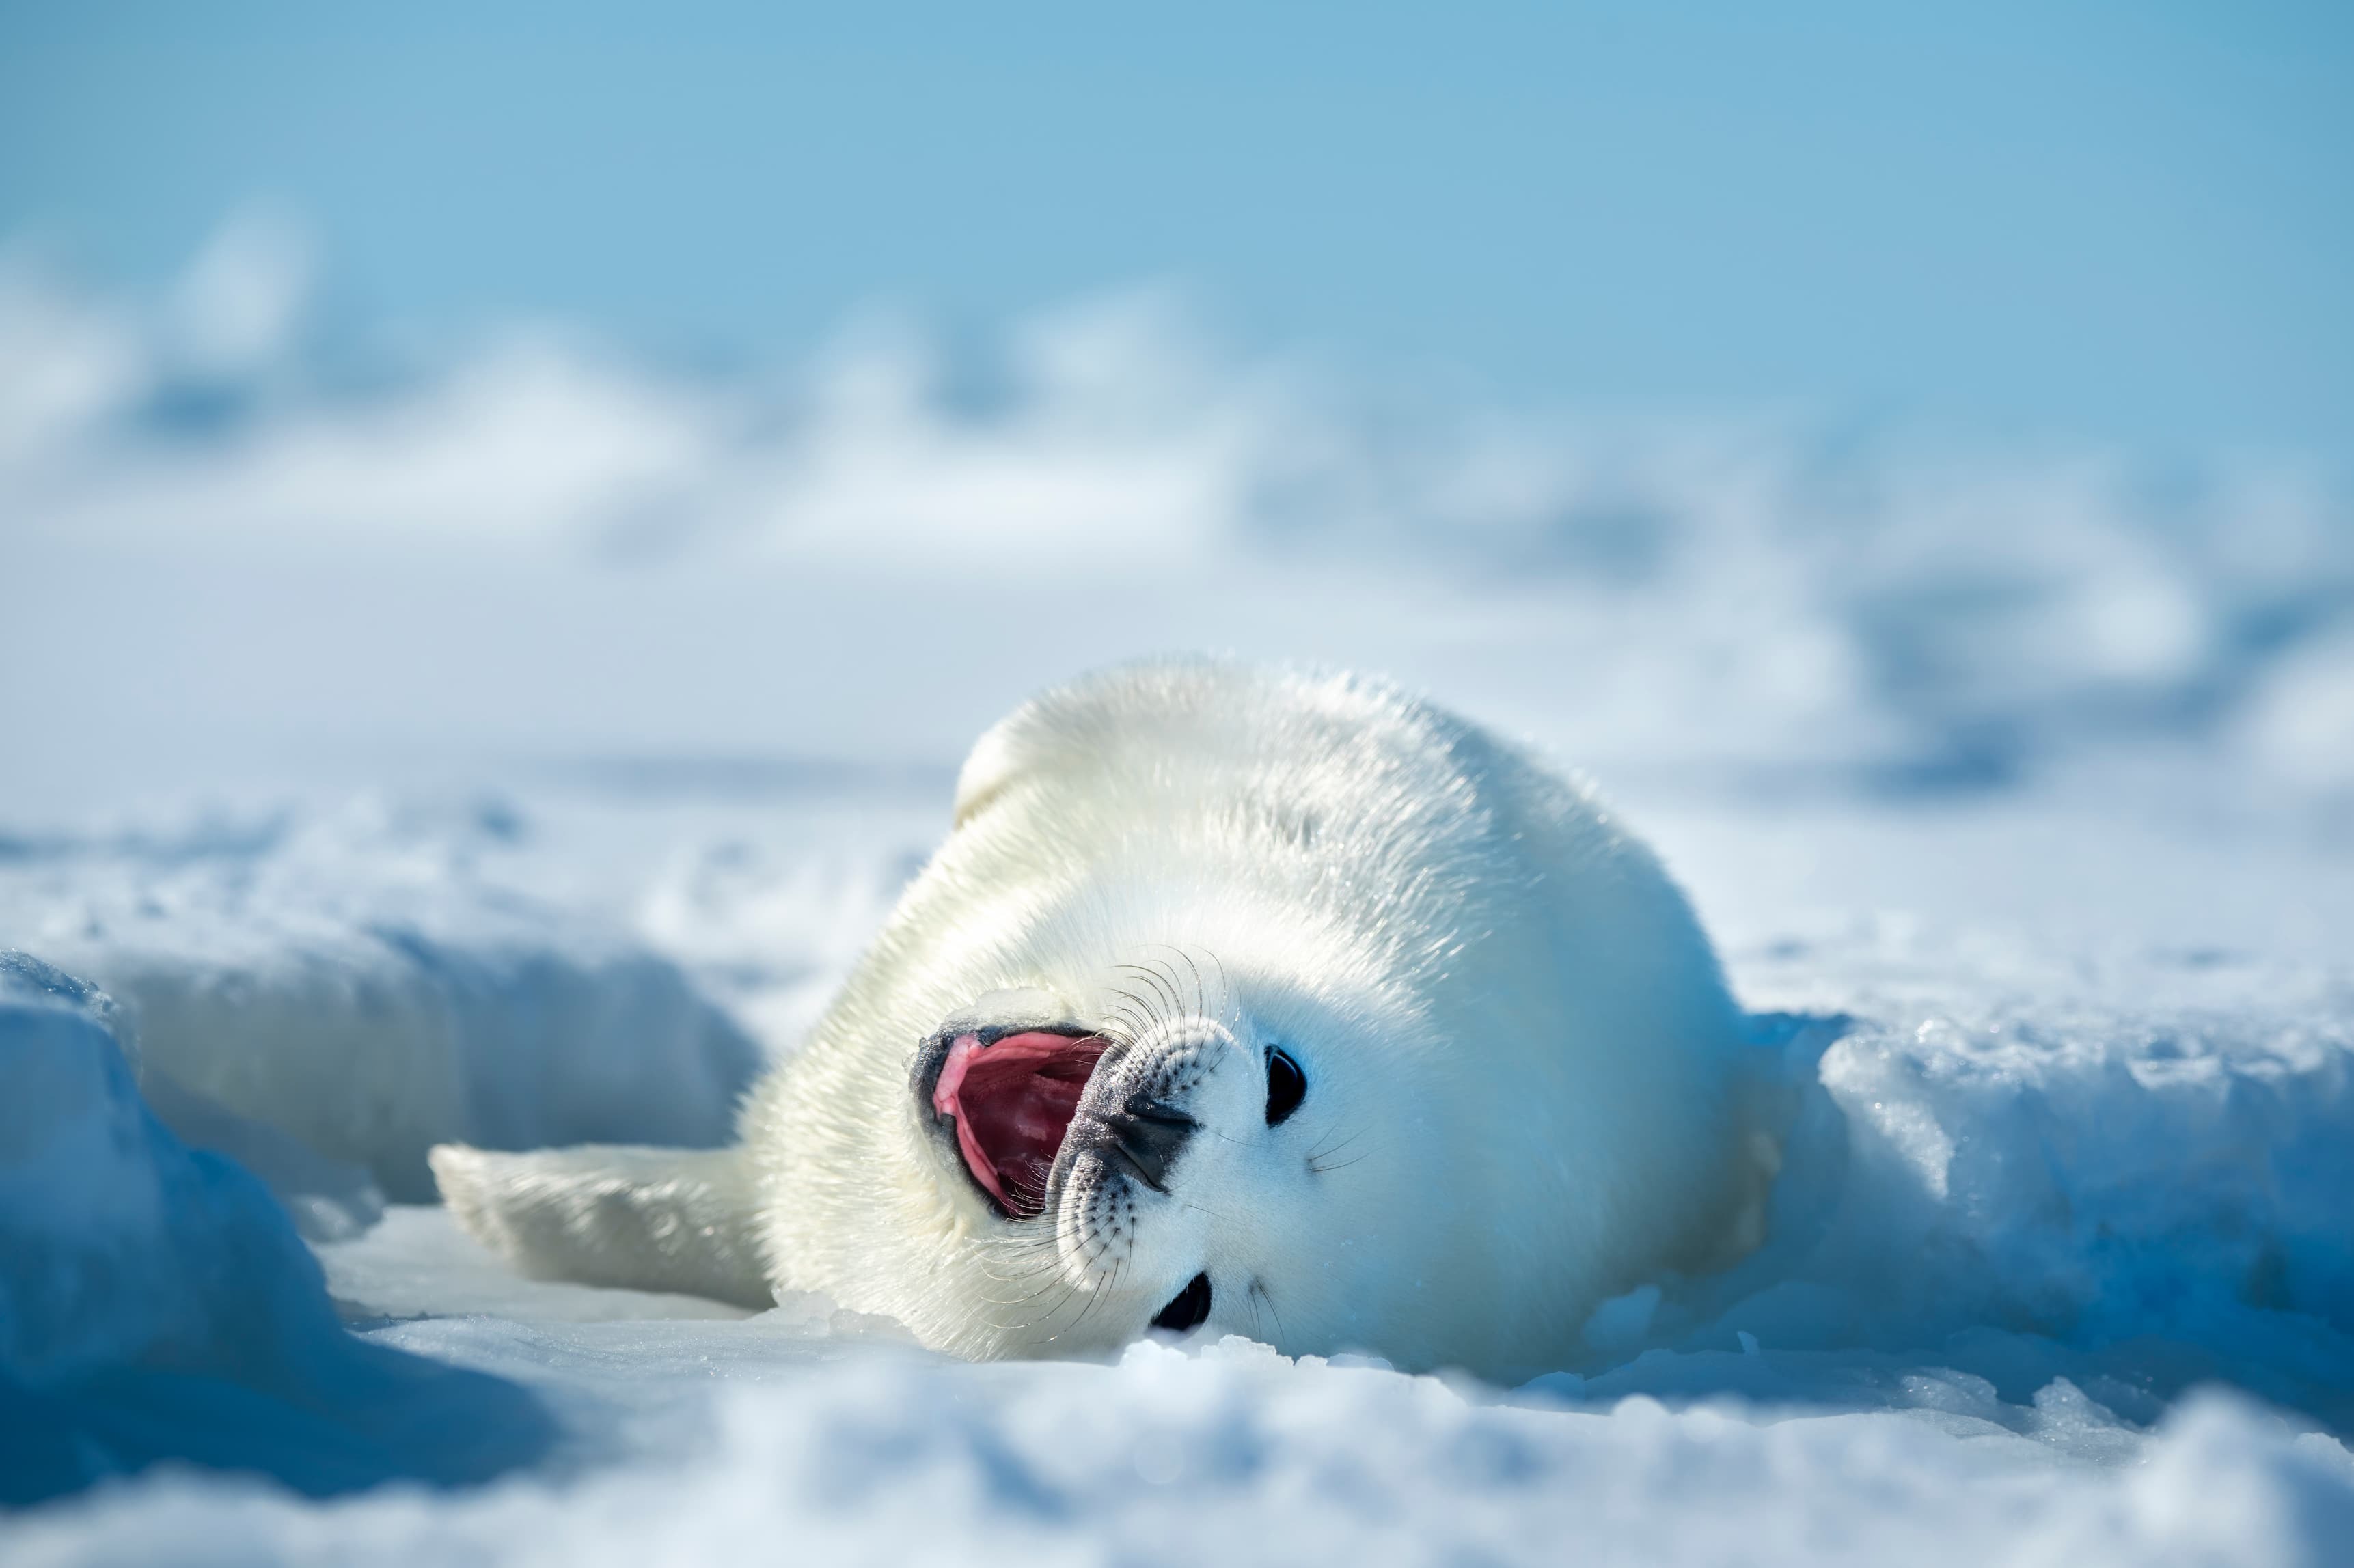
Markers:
{"x": 347, "y": 982}
{"x": 1232, "y": 1454}
{"x": 416, "y": 1262}
{"x": 156, "y": 1305}
{"x": 535, "y": 548}
{"x": 519, "y": 748}
{"x": 2040, "y": 1204}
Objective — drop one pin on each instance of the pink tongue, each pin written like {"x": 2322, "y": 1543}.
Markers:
{"x": 1013, "y": 1101}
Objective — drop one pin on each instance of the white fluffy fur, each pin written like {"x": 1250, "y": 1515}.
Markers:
{"x": 1524, "y": 1070}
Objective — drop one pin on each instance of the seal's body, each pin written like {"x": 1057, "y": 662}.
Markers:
{"x": 1282, "y": 1004}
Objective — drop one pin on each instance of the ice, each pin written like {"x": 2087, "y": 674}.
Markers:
{"x": 351, "y": 983}
{"x": 327, "y": 1199}
{"x": 156, "y": 1305}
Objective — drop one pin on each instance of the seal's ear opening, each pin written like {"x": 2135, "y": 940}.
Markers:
{"x": 643, "y": 1219}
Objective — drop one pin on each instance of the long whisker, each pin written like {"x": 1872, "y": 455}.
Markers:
{"x": 1139, "y": 1027}
{"x": 1061, "y": 1299}
{"x": 1201, "y": 1003}
{"x": 1321, "y": 1148}
{"x": 1259, "y": 1291}
{"x": 1152, "y": 1006}
{"x": 1176, "y": 993}
{"x": 1320, "y": 1160}
{"x": 1152, "y": 977}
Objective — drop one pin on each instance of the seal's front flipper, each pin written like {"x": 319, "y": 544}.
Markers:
{"x": 648, "y": 1219}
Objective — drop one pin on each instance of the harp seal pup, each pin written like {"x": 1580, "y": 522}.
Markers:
{"x": 1237, "y": 999}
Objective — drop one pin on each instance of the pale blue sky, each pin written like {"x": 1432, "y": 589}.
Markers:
{"x": 2131, "y": 221}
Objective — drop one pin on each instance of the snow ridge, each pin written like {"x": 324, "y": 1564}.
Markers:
{"x": 155, "y": 1304}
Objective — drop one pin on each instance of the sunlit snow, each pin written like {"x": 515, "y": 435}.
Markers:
{"x": 519, "y": 748}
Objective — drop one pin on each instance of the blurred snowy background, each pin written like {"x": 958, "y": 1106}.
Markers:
{"x": 508, "y": 518}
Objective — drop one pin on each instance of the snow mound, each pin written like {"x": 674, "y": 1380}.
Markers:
{"x": 155, "y": 1304}
{"x": 2139, "y": 1203}
{"x": 350, "y": 982}
{"x": 328, "y": 1200}
{"x": 2136, "y": 1203}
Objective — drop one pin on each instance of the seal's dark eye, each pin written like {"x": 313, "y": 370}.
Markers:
{"x": 1286, "y": 1086}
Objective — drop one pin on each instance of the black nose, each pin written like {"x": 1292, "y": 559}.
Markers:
{"x": 1148, "y": 1136}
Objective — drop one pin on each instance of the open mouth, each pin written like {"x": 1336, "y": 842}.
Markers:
{"x": 1012, "y": 1101}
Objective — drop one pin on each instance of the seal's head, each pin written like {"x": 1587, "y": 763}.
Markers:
{"x": 1248, "y": 1002}
{"x": 1124, "y": 1143}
